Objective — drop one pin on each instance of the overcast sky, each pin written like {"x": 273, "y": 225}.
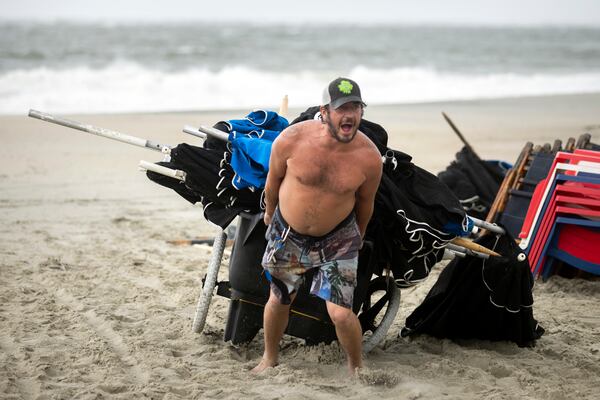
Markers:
{"x": 477, "y": 12}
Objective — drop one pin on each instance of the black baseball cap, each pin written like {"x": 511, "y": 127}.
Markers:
{"x": 341, "y": 91}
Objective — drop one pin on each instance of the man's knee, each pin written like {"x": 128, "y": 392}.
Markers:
{"x": 340, "y": 315}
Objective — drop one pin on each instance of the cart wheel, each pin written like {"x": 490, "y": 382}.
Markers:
{"x": 209, "y": 282}
{"x": 367, "y": 317}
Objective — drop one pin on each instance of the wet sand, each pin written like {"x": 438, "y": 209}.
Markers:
{"x": 95, "y": 303}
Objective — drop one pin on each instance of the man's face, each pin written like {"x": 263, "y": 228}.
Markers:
{"x": 343, "y": 121}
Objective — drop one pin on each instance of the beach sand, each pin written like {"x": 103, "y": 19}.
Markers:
{"x": 95, "y": 303}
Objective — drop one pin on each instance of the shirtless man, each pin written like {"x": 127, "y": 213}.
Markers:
{"x": 319, "y": 193}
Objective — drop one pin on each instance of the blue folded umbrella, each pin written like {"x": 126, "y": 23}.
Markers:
{"x": 251, "y": 139}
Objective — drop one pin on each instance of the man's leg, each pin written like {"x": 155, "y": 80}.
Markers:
{"x": 275, "y": 320}
{"x": 349, "y": 333}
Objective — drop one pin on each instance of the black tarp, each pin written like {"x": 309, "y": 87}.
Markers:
{"x": 208, "y": 180}
{"x": 476, "y": 298}
{"x": 474, "y": 181}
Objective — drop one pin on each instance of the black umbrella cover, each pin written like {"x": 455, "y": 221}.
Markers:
{"x": 474, "y": 181}
{"x": 481, "y": 299}
{"x": 208, "y": 180}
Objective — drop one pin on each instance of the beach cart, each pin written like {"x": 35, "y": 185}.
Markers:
{"x": 377, "y": 295}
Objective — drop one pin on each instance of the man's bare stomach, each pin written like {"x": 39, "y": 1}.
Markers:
{"x": 314, "y": 214}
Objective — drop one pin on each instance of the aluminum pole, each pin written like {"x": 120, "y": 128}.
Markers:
{"x": 159, "y": 169}
{"x": 190, "y": 130}
{"x": 94, "y": 130}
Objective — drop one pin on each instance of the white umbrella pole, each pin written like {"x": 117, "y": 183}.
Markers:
{"x": 159, "y": 169}
{"x": 487, "y": 226}
{"x": 283, "y": 108}
{"x": 217, "y": 134}
{"x": 459, "y": 249}
{"x": 94, "y": 130}
{"x": 190, "y": 130}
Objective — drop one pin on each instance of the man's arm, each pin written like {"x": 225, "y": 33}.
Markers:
{"x": 277, "y": 169}
{"x": 365, "y": 196}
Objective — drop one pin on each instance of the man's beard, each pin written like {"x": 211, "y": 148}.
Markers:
{"x": 334, "y": 132}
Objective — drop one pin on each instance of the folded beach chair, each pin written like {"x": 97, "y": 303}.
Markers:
{"x": 533, "y": 164}
{"x": 578, "y": 193}
{"x": 574, "y": 241}
{"x": 556, "y": 208}
{"x": 513, "y": 215}
{"x": 567, "y": 162}
{"x": 515, "y": 193}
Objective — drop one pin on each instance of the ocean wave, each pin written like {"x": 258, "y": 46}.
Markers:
{"x": 129, "y": 87}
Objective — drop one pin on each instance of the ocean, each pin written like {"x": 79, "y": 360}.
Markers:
{"x": 63, "y": 67}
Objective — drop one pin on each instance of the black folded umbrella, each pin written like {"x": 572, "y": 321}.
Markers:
{"x": 209, "y": 181}
{"x": 474, "y": 181}
{"x": 475, "y": 298}
{"x": 415, "y": 216}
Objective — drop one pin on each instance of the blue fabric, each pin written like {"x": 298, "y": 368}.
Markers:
{"x": 251, "y": 139}
{"x": 250, "y": 161}
{"x": 459, "y": 229}
{"x": 259, "y": 123}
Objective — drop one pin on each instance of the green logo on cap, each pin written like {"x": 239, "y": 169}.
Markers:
{"x": 345, "y": 87}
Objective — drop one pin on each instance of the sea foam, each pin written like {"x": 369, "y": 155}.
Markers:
{"x": 124, "y": 86}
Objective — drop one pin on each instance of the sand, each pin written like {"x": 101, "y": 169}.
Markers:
{"x": 95, "y": 303}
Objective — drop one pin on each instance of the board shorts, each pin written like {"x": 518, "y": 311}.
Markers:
{"x": 333, "y": 258}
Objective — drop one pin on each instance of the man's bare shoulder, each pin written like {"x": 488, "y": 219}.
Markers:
{"x": 299, "y": 128}
{"x": 287, "y": 141}
{"x": 294, "y": 134}
{"x": 370, "y": 158}
{"x": 368, "y": 149}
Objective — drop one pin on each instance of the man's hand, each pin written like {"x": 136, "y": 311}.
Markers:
{"x": 267, "y": 218}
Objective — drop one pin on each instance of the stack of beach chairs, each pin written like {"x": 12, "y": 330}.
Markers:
{"x": 550, "y": 200}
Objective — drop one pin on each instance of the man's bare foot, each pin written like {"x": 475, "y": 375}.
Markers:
{"x": 354, "y": 371}
{"x": 264, "y": 364}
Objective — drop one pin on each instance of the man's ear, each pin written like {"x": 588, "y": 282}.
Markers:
{"x": 323, "y": 110}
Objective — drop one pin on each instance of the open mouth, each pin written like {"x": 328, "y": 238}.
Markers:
{"x": 346, "y": 127}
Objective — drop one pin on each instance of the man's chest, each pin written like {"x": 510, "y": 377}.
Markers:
{"x": 331, "y": 173}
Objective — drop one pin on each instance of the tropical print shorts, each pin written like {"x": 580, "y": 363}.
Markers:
{"x": 333, "y": 258}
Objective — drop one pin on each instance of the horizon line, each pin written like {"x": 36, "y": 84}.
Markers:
{"x": 362, "y": 24}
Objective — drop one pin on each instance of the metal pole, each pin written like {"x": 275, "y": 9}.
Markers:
{"x": 451, "y": 254}
{"x": 465, "y": 251}
{"x": 487, "y": 226}
{"x": 217, "y": 134}
{"x": 159, "y": 169}
{"x": 107, "y": 133}
{"x": 194, "y": 132}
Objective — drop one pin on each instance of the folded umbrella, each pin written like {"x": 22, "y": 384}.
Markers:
{"x": 227, "y": 177}
{"x": 208, "y": 180}
{"x": 415, "y": 217}
{"x": 478, "y": 298}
